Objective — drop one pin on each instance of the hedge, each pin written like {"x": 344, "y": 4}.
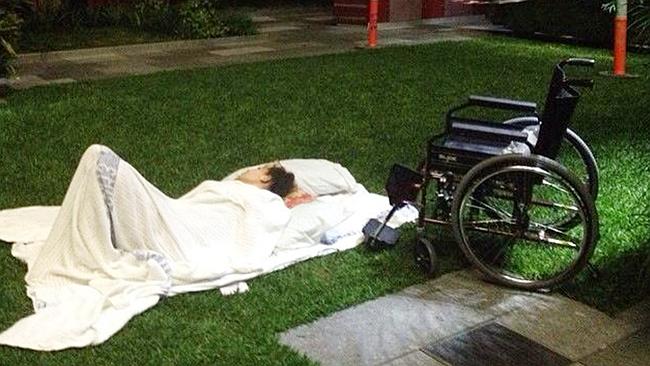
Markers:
{"x": 582, "y": 19}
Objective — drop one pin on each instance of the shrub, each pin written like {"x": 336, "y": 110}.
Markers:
{"x": 108, "y": 15}
{"x": 176, "y": 18}
{"x": 208, "y": 19}
{"x": 153, "y": 15}
{"x": 198, "y": 19}
{"x": 49, "y": 14}
{"x": 239, "y": 25}
{"x": 640, "y": 21}
{"x": 584, "y": 19}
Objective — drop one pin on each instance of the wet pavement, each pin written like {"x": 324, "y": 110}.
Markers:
{"x": 403, "y": 328}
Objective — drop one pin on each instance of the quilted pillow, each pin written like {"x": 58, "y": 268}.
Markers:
{"x": 316, "y": 177}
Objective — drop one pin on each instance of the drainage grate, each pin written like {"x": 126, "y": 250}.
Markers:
{"x": 494, "y": 345}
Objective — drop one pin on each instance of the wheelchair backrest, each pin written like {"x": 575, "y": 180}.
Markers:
{"x": 561, "y": 101}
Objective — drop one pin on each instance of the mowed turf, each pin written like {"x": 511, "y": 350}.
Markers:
{"x": 366, "y": 110}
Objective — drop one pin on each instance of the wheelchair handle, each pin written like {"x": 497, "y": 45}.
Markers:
{"x": 586, "y": 62}
{"x": 500, "y": 103}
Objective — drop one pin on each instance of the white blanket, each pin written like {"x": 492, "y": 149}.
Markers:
{"x": 118, "y": 244}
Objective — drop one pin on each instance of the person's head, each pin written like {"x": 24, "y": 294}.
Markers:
{"x": 270, "y": 177}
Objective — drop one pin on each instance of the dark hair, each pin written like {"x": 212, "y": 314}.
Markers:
{"x": 282, "y": 181}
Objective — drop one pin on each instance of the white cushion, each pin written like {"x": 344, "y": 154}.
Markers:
{"x": 308, "y": 221}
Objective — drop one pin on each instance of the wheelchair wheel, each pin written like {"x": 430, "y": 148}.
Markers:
{"x": 425, "y": 257}
{"x": 574, "y": 154}
{"x": 507, "y": 214}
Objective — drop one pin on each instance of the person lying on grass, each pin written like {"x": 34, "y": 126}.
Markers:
{"x": 272, "y": 177}
{"x": 117, "y": 243}
{"x": 275, "y": 178}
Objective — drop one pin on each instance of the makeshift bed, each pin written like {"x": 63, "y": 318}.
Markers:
{"x": 117, "y": 244}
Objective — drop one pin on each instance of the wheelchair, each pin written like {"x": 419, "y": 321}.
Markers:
{"x": 519, "y": 215}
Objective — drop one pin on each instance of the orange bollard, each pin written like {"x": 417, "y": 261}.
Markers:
{"x": 373, "y": 13}
{"x": 620, "y": 42}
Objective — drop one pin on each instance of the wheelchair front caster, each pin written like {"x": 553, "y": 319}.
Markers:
{"x": 425, "y": 257}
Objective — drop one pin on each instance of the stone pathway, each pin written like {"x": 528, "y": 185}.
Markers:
{"x": 394, "y": 329}
{"x": 283, "y": 33}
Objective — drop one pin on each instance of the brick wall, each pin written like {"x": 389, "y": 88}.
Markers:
{"x": 356, "y": 11}
{"x": 404, "y": 10}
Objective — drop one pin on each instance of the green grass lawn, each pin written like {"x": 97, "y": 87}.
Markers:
{"x": 366, "y": 110}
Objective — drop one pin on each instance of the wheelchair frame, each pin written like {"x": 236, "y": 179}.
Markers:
{"x": 502, "y": 189}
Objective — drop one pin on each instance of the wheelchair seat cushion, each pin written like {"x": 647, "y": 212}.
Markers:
{"x": 486, "y": 147}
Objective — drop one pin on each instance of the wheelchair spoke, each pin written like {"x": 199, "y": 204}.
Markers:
{"x": 569, "y": 241}
{"x": 492, "y": 210}
{"x": 484, "y": 206}
{"x": 555, "y": 205}
{"x": 554, "y": 185}
{"x": 490, "y": 221}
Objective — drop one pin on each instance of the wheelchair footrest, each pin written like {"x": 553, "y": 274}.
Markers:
{"x": 379, "y": 235}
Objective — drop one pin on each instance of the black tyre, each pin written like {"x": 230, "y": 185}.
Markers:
{"x": 425, "y": 257}
{"x": 507, "y": 215}
{"x": 574, "y": 154}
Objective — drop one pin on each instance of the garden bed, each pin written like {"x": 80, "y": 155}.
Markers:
{"x": 85, "y": 37}
{"x": 115, "y": 24}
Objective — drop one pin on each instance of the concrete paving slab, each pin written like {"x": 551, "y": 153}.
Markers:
{"x": 381, "y": 330}
{"x": 241, "y": 51}
{"x": 143, "y": 52}
{"x": 230, "y": 42}
{"x": 263, "y": 18}
{"x": 393, "y": 26}
{"x": 417, "y": 358}
{"x": 62, "y": 81}
{"x": 95, "y": 57}
{"x": 278, "y": 28}
{"x": 467, "y": 288}
{"x": 298, "y": 45}
{"x": 568, "y": 327}
{"x": 631, "y": 351}
{"x": 180, "y": 61}
{"x": 27, "y": 81}
{"x": 59, "y": 70}
{"x": 392, "y": 41}
{"x": 493, "y": 344}
{"x": 321, "y": 19}
{"x": 127, "y": 68}
{"x": 345, "y": 29}
{"x": 637, "y": 317}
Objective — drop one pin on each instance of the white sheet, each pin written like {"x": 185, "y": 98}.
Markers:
{"x": 118, "y": 244}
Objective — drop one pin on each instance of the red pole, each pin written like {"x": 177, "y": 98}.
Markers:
{"x": 620, "y": 38}
{"x": 620, "y": 42}
{"x": 373, "y": 11}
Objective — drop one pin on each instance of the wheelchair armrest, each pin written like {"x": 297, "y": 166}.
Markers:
{"x": 498, "y": 103}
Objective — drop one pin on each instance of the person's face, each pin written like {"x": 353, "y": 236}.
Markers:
{"x": 258, "y": 177}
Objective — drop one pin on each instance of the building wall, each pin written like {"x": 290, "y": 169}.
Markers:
{"x": 356, "y": 11}
{"x": 457, "y": 8}
{"x": 404, "y": 10}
